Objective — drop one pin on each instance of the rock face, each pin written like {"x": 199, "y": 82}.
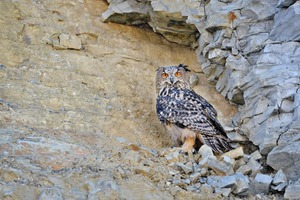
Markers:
{"x": 164, "y": 17}
{"x": 77, "y": 104}
{"x": 77, "y": 98}
{"x": 250, "y": 50}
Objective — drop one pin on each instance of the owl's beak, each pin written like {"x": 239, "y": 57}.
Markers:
{"x": 172, "y": 79}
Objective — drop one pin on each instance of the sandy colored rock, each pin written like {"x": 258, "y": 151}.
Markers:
{"x": 235, "y": 153}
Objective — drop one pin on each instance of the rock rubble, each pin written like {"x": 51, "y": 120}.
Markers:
{"x": 220, "y": 175}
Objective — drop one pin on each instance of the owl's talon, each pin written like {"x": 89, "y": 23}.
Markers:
{"x": 188, "y": 145}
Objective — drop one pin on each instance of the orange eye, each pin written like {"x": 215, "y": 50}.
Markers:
{"x": 164, "y": 75}
{"x": 178, "y": 74}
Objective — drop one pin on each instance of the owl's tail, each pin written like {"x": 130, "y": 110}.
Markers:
{"x": 218, "y": 143}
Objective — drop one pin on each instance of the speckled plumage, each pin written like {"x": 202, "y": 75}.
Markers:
{"x": 187, "y": 116}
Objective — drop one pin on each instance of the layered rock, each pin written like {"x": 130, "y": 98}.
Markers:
{"x": 260, "y": 69}
{"x": 164, "y": 17}
{"x": 71, "y": 87}
{"x": 250, "y": 50}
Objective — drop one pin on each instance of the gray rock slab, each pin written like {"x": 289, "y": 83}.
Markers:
{"x": 256, "y": 155}
{"x": 272, "y": 53}
{"x": 220, "y": 167}
{"x": 287, "y": 158}
{"x": 228, "y": 182}
{"x": 281, "y": 187}
{"x": 261, "y": 184}
{"x": 260, "y": 10}
{"x": 254, "y": 166}
{"x": 206, "y": 151}
{"x": 243, "y": 186}
{"x": 279, "y": 178}
{"x": 286, "y": 24}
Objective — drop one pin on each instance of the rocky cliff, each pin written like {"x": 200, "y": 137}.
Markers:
{"x": 77, "y": 98}
{"x": 251, "y": 51}
{"x": 77, "y": 103}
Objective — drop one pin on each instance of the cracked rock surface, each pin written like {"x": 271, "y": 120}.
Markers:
{"x": 250, "y": 51}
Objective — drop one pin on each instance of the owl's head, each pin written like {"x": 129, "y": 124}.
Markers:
{"x": 172, "y": 76}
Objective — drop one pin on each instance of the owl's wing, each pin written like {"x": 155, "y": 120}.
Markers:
{"x": 188, "y": 109}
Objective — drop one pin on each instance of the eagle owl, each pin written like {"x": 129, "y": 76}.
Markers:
{"x": 189, "y": 118}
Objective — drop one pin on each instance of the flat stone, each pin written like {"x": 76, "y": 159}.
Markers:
{"x": 228, "y": 160}
{"x": 203, "y": 162}
{"x": 261, "y": 184}
{"x": 280, "y": 124}
{"x": 244, "y": 169}
{"x": 253, "y": 43}
{"x": 242, "y": 31}
{"x": 259, "y": 11}
{"x": 206, "y": 152}
{"x": 234, "y": 136}
{"x": 204, "y": 39}
{"x": 242, "y": 183}
{"x": 238, "y": 163}
{"x": 218, "y": 56}
{"x": 185, "y": 8}
{"x": 217, "y": 21}
{"x": 169, "y": 24}
{"x": 272, "y": 53}
{"x": 228, "y": 182}
{"x": 220, "y": 167}
{"x": 256, "y": 155}
{"x": 281, "y": 187}
{"x": 279, "y": 178}
{"x": 235, "y": 153}
{"x": 255, "y": 166}
{"x": 228, "y": 43}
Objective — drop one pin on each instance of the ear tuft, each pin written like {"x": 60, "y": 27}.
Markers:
{"x": 185, "y": 67}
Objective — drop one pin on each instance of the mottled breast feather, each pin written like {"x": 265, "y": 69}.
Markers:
{"x": 185, "y": 108}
